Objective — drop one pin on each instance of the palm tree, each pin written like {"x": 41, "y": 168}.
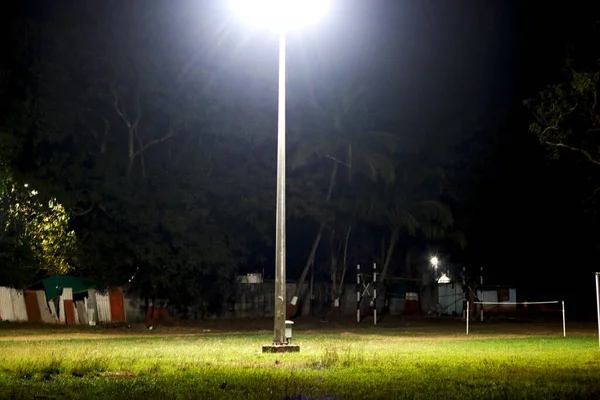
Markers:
{"x": 411, "y": 209}
{"x": 341, "y": 230}
{"x": 342, "y": 136}
{"x": 432, "y": 218}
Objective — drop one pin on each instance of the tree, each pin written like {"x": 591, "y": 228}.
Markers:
{"x": 345, "y": 220}
{"x": 35, "y": 233}
{"x": 409, "y": 214}
{"x": 341, "y": 135}
{"x": 567, "y": 118}
{"x": 35, "y": 236}
{"x": 431, "y": 218}
{"x": 135, "y": 135}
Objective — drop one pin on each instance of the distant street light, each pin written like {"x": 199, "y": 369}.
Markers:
{"x": 280, "y": 16}
{"x": 435, "y": 262}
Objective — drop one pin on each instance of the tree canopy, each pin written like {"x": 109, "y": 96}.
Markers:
{"x": 567, "y": 119}
{"x": 35, "y": 236}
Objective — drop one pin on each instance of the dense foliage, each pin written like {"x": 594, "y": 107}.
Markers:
{"x": 567, "y": 120}
{"x": 35, "y": 236}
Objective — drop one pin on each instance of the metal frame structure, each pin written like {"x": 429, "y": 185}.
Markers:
{"x": 362, "y": 289}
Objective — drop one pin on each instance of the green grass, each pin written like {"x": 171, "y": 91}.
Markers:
{"x": 361, "y": 364}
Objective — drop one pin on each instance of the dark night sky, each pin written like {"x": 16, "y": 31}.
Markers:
{"x": 440, "y": 60}
{"x": 457, "y": 69}
{"x": 423, "y": 50}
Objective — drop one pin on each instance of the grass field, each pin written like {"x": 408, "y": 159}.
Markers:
{"x": 395, "y": 360}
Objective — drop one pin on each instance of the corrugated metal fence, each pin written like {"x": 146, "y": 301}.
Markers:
{"x": 31, "y": 305}
{"x": 12, "y": 305}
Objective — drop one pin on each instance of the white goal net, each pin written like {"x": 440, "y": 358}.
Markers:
{"x": 487, "y": 316}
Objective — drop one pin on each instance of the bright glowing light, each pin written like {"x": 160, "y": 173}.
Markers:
{"x": 434, "y": 261}
{"x": 280, "y": 15}
{"x": 444, "y": 279}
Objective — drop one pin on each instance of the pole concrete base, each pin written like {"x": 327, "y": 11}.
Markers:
{"x": 280, "y": 348}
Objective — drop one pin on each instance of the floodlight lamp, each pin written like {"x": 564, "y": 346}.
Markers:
{"x": 280, "y": 15}
{"x": 435, "y": 261}
{"x": 444, "y": 279}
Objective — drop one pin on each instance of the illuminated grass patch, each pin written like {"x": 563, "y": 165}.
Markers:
{"x": 346, "y": 365}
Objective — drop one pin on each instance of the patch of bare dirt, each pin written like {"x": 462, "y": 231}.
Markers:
{"x": 120, "y": 375}
{"x": 89, "y": 336}
{"x": 389, "y": 328}
{"x": 310, "y": 332}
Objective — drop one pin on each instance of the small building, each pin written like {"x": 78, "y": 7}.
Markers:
{"x": 452, "y": 297}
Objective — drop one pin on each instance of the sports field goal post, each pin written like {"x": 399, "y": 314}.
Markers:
{"x": 527, "y": 303}
{"x": 366, "y": 288}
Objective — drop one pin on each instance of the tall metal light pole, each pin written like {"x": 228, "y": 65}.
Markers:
{"x": 280, "y": 16}
{"x": 598, "y": 302}
{"x": 280, "y": 236}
